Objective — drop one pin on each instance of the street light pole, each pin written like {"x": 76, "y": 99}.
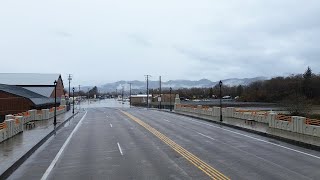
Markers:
{"x": 170, "y": 99}
{"x": 73, "y": 100}
{"x": 88, "y": 97}
{"x": 69, "y": 78}
{"x": 220, "y": 84}
{"x": 130, "y": 95}
{"x": 160, "y": 93}
{"x": 55, "y": 104}
{"x": 79, "y": 97}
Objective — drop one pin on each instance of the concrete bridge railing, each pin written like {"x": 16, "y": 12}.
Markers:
{"x": 294, "y": 124}
{"x": 14, "y": 124}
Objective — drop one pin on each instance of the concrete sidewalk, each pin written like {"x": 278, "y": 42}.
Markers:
{"x": 15, "y": 150}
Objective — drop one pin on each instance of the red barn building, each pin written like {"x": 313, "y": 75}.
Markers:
{"x": 15, "y": 99}
{"x": 24, "y": 91}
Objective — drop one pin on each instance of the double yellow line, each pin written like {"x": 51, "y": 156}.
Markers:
{"x": 210, "y": 171}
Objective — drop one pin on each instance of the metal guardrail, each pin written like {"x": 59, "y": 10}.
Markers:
{"x": 17, "y": 121}
{"x": 192, "y": 106}
{"x": 308, "y": 121}
{"x": 281, "y": 117}
{"x": 3, "y": 126}
{"x": 315, "y": 122}
{"x": 253, "y": 112}
{"x": 26, "y": 113}
{"x": 284, "y": 118}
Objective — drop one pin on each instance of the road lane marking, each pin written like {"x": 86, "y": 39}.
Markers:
{"x": 263, "y": 159}
{"x": 261, "y": 140}
{"x": 120, "y": 149}
{"x": 110, "y": 125}
{"x": 166, "y": 120}
{"x": 274, "y": 164}
{"x": 203, "y": 166}
{"x": 54, "y": 162}
{"x": 206, "y": 136}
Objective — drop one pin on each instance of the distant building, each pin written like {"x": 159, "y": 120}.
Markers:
{"x": 15, "y": 99}
{"x": 165, "y": 98}
{"x": 140, "y": 99}
{"x": 42, "y": 84}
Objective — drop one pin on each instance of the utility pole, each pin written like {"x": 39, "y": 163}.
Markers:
{"x": 122, "y": 94}
{"x": 117, "y": 93}
{"x": 88, "y": 96}
{"x": 73, "y": 100}
{"x": 147, "y": 76}
{"x": 130, "y": 95}
{"x": 160, "y": 92}
{"x": 69, "y": 78}
{"x": 170, "y": 99}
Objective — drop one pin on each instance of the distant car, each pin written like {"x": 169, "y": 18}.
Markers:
{"x": 196, "y": 100}
{"x": 127, "y": 100}
{"x": 226, "y": 97}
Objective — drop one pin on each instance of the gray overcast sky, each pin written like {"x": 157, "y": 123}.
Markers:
{"x": 102, "y": 41}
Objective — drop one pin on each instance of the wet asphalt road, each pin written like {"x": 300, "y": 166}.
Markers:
{"x": 110, "y": 145}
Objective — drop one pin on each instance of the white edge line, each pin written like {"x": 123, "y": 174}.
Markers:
{"x": 304, "y": 153}
{"x": 53, "y": 163}
{"x": 120, "y": 149}
{"x": 256, "y": 156}
{"x": 206, "y": 136}
{"x": 110, "y": 125}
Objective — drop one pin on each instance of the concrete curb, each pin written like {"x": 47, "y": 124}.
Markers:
{"x": 290, "y": 141}
{"x": 23, "y": 158}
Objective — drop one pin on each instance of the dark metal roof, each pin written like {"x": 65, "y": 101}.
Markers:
{"x": 44, "y": 91}
{"x": 28, "y": 79}
{"x": 37, "y": 99}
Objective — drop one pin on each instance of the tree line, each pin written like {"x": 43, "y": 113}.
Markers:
{"x": 275, "y": 90}
{"x": 300, "y": 86}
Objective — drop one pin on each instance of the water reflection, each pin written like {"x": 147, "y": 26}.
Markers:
{"x": 104, "y": 103}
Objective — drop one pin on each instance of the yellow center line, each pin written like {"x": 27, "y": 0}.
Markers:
{"x": 207, "y": 169}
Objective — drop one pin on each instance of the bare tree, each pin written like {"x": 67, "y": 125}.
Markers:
{"x": 297, "y": 105}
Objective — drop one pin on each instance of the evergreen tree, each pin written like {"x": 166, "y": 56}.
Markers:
{"x": 307, "y": 89}
{"x": 239, "y": 90}
{"x": 211, "y": 92}
{"x": 308, "y": 74}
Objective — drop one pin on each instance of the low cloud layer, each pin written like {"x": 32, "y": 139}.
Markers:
{"x": 105, "y": 41}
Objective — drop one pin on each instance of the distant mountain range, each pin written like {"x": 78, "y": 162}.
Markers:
{"x": 175, "y": 84}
